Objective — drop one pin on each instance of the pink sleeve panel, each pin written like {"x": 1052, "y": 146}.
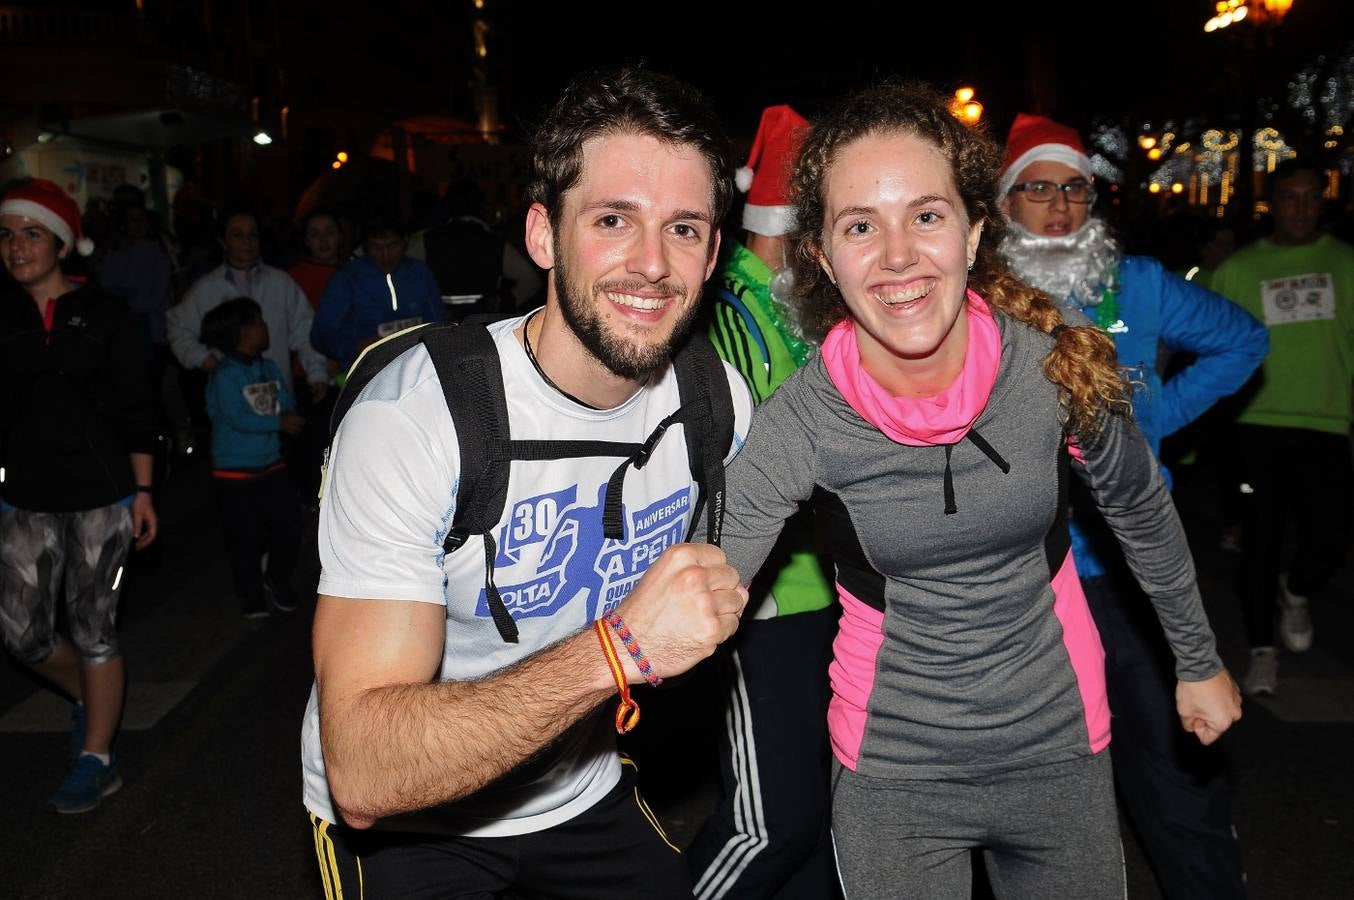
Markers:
{"x": 1074, "y": 449}
{"x": 855, "y": 651}
{"x": 1084, "y": 650}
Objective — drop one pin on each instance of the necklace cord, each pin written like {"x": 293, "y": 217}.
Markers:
{"x": 526, "y": 345}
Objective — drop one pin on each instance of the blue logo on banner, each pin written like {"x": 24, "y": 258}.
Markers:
{"x": 574, "y": 555}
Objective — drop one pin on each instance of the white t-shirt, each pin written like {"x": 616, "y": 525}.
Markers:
{"x": 385, "y": 509}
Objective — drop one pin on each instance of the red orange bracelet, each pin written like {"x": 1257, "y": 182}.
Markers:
{"x": 627, "y": 711}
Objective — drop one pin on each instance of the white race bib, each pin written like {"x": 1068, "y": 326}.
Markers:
{"x": 1298, "y": 298}
{"x": 386, "y": 329}
{"x": 262, "y": 397}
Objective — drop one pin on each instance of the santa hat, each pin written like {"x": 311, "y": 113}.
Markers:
{"x": 45, "y": 202}
{"x": 1038, "y": 138}
{"x": 766, "y": 177}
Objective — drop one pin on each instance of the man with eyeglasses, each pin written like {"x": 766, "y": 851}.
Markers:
{"x": 1175, "y": 793}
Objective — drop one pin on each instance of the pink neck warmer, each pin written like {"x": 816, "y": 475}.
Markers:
{"x": 920, "y": 421}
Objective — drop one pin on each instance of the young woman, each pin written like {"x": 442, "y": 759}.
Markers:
{"x": 320, "y": 231}
{"x": 936, "y": 430}
{"x": 76, "y": 436}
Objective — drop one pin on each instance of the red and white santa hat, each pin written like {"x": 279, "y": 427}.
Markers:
{"x": 1039, "y": 139}
{"x": 766, "y": 177}
{"x": 45, "y": 202}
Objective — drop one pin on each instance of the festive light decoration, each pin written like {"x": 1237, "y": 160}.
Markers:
{"x": 1269, "y": 139}
{"x": 1171, "y": 175}
{"x": 1105, "y": 142}
{"x": 1111, "y": 139}
{"x": 1270, "y": 149}
{"x": 1229, "y": 12}
{"x": 965, "y": 108}
{"x": 1104, "y": 170}
{"x": 1219, "y": 141}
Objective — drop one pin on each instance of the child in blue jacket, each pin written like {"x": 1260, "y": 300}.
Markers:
{"x": 249, "y": 405}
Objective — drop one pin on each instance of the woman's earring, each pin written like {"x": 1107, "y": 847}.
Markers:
{"x": 782, "y": 285}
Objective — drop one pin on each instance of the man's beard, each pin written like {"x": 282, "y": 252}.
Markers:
{"x": 632, "y": 360}
{"x": 1073, "y": 270}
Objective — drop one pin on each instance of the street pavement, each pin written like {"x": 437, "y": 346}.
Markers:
{"x": 209, "y": 750}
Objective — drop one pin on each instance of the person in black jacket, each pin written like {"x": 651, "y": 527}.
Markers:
{"x": 77, "y": 433}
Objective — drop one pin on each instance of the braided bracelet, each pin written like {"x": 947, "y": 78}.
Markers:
{"x": 632, "y": 647}
{"x": 627, "y": 711}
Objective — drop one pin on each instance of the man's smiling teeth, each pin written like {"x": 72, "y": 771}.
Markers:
{"x": 647, "y": 304}
{"x": 907, "y": 296}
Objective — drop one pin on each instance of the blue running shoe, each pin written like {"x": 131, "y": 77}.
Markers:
{"x": 77, "y": 731}
{"x": 87, "y": 782}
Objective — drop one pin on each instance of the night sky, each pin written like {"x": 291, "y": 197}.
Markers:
{"x": 746, "y": 57}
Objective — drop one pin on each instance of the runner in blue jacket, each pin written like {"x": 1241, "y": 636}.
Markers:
{"x": 374, "y": 296}
{"x": 1173, "y": 789}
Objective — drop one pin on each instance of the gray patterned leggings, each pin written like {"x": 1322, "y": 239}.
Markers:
{"x": 36, "y": 550}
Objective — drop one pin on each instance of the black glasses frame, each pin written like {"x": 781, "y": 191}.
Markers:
{"x": 1025, "y": 187}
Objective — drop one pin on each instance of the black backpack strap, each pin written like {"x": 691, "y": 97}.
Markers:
{"x": 468, "y": 367}
{"x": 707, "y": 414}
{"x": 371, "y": 361}
{"x": 612, "y": 525}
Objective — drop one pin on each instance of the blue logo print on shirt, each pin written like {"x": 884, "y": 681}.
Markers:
{"x": 575, "y": 558}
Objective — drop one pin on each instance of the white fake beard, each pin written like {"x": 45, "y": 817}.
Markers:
{"x": 1073, "y": 270}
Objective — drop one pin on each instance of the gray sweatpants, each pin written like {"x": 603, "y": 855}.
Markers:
{"x": 1046, "y": 832}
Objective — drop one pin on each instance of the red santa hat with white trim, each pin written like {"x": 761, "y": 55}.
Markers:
{"x": 46, "y": 203}
{"x": 1037, "y": 139}
{"x": 766, "y": 178}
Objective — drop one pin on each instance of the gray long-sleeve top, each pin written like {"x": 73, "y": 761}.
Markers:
{"x": 966, "y": 646}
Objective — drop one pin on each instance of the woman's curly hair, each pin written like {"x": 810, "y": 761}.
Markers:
{"x": 1082, "y": 362}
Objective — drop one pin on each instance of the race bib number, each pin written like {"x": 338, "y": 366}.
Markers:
{"x": 1298, "y": 298}
{"x": 262, "y": 397}
{"x": 386, "y": 329}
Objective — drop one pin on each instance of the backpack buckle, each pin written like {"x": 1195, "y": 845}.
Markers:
{"x": 646, "y": 449}
{"x": 456, "y": 537}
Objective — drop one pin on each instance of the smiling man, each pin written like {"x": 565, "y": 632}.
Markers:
{"x": 486, "y": 764}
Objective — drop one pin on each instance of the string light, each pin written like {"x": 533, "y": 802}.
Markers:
{"x": 965, "y": 108}
{"x": 1229, "y": 12}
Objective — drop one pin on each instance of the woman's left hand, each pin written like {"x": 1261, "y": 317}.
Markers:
{"x": 1208, "y": 707}
{"x": 145, "y": 524}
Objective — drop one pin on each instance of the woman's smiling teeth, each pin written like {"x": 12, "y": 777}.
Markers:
{"x": 906, "y": 296}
